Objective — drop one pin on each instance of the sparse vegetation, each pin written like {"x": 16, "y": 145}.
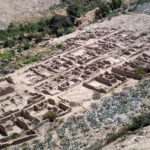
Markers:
{"x": 9, "y": 43}
{"x": 51, "y": 115}
{"x": 140, "y": 121}
{"x": 6, "y": 55}
{"x": 142, "y": 71}
{"x": 59, "y": 46}
{"x": 96, "y": 96}
{"x": 137, "y": 122}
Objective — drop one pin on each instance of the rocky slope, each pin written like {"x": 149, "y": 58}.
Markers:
{"x": 138, "y": 141}
{"x": 10, "y": 10}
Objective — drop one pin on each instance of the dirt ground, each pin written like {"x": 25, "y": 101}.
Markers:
{"x": 11, "y": 10}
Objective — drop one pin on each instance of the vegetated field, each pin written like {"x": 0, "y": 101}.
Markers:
{"x": 10, "y": 10}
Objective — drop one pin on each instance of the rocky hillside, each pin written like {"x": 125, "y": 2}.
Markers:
{"x": 140, "y": 140}
{"x": 11, "y": 10}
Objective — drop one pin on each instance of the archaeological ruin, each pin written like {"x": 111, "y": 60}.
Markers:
{"x": 99, "y": 59}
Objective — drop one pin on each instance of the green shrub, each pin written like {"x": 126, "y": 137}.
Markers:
{"x": 142, "y": 71}
{"x": 19, "y": 49}
{"x": 31, "y": 59}
{"x": 28, "y": 27}
{"x": 38, "y": 37}
{"x": 43, "y": 24}
{"x": 83, "y": 5}
{"x": 73, "y": 12}
{"x": 26, "y": 45}
{"x": 51, "y": 115}
{"x": 114, "y": 136}
{"x": 6, "y": 55}
{"x": 9, "y": 43}
{"x": 103, "y": 11}
{"x": 70, "y": 30}
{"x": 3, "y": 35}
{"x": 26, "y": 60}
{"x": 96, "y": 96}
{"x": 60, "y": 32}
{"x": 139, "y": 122}
{"x": 59, "y": 21}
{"x": 115, "y": 4}
{"x": 59, "y": 46}
{"x": 59, "y": 25}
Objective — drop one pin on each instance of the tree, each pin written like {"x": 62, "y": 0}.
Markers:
{"x": 59, "y": 25}
{"x": 103, "y": 11}
{"x": 116, "y": 4}
{"x": 73, "y": 12}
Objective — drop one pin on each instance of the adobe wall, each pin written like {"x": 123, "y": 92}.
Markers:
{"x": 126, "y": 73}
{"x": 101, "y": 90}
{"x": 6, "y": 90}
{"x": 103, "y": 80}
{"x": 3, "y": 130}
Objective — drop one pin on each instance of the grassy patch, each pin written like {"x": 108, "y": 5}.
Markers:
{"x": 6, "y": 55}
{"x": 142, "y": 71}
{"x": 28, "y": 59}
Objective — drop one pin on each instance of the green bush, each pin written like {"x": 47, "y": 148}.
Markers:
{"x": 3, "y": 35}
{"x": 115, "y": 4}
{"x": 103, "y": 11}
{"x": 59, "y": 25}
{"x": 59, "y": 46}
{"x": 51, "y": 115}
{"x": 6, "y": 55}
{"x": 28, "y": 27}
{"x": 20, "y": 61}
{"x": 139, "y": 122}
{"x": 96, "y": 96}
{"x": 114, "y": 136}
{"x": 19, "y": 49}
{"x": 59, "y": 21}
{"x": 83, "y": 5}
{"x": 70, "y": 30}
{"x": 26, "y": 45}
{"x": 142, "y": 71}
{"x": 60, "y": 32}
{"x": 73, "y": 12}
{"x": 9, "y": 43}
{"x": 38, "y": 37}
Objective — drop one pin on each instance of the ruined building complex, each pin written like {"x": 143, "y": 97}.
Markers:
{"x": 99, "y": 59}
